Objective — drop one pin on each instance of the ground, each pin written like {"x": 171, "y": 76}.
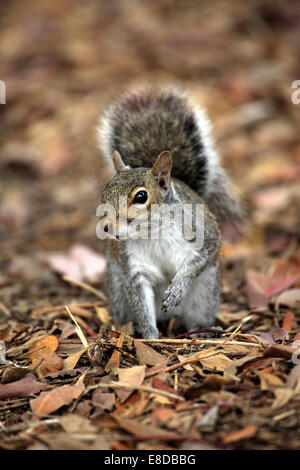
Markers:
{"x": 62, "y": 61}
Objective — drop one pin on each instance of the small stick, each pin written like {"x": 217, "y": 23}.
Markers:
{"x": 57, "y": 308}
{"x": 85, "y": 286}
{"x": 197, "y": 341}
{"x": 5, "y": 310}
{"x": 203, "y": 330}
{"x": 135, "y": 387}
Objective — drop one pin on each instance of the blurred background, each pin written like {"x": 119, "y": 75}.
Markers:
{"x": 63, "y": 60}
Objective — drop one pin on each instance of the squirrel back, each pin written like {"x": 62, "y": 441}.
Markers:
{"x": 144, "y": 122}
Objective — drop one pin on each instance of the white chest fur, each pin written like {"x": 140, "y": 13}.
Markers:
{"x": 160, "y": 260}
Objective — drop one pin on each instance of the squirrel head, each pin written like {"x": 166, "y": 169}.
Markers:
{"x": 133, "y": 191}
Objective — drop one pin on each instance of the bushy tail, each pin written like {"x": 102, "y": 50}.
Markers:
{"x": 144, "y": 122}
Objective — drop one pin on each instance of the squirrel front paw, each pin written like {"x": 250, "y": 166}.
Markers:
{"x": 172, "y": 297}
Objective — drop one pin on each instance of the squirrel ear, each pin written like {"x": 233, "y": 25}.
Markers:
{"x": 118, "y": 162}
{"x": 162, "y": 169}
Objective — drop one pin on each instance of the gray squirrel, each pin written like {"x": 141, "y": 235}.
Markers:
{"x": 163, "y": 155}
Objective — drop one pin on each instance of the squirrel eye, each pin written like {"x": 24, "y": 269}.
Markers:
{"x": 141, "y": 197}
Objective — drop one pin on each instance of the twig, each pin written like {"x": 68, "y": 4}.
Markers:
{"x": 195, "y": 341}
{"x": 24, "y": 426}
{"x": 76, "y": 307}
{"x": 85, "y": 286}
{"x": 135, "y": 387}
{"x": 5, "y": 310}
{"x": 203, "y": 330}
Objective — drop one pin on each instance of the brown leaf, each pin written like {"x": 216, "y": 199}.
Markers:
{"x": 282, "y": 397}
{"x": 48, "y": 345}
{"x": 212, "y": 382}
{"x": 278, "y": 334}
{"x": 114, "y": 361}
{"x": 146, "y": 354}
{"x": 217, "y": 363}
{"x": 22, "y": 388}
{"x": 106, "y": 400}
{"x": 269, "y": 381}
{"x": 279, "y": 350}
{"x": 161, "y": 415}
{"x": 261, "y": 287}
{"x": 77, "y": 424}
{"x": 51, "y": 363}
{"x": 245, "y": 433}
{"x": 80, "y": 264}
{"x": 289, "y": 321}
{"x": 146, "y": 431}
{"x": 71, "y": 361}
{"x": 11, "y": 374}
{"x": 291, "y": 298}
{"x": 48, "y": 402}
{"x": 133, "y": 376}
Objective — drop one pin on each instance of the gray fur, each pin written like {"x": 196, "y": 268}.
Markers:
{"x": 150, "y": 280}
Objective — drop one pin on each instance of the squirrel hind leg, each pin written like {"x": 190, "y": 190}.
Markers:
{"x": 198, "y": 308}
{"x": 115, "y": 291}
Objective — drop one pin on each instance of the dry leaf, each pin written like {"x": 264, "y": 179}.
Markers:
{"x": 48, "y": 345}
{"x": 241, "y": 434}
{"x": 22, "y": 388}
{"x": 48, "y": 402}
{"x": 51, "y": 363}
{"x": 291, "y": 298}
{"x": 269, "y": 381}
{"x": 106, "y": 400}
{"x": 146, "y": 354}
{"x": 114, "y": 361}
{"x": 289, "y": 321}
{"x": 133, "y": 376}
{"x": 146, "y": 431}
{"x": 77, "y": 424}
{"x": 72, "y": 360}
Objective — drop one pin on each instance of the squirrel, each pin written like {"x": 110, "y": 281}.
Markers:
{"x": 163, "y": 156}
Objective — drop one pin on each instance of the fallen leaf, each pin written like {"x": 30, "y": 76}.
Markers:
{"x": 146, "y": 354}
{"x": 282, "y": 397}
{"x": 77, "y": 424}
{"x": 278, "y": 334}
{"x": 13, "y": 373}
{"x": 114, "y": 361}
{"x": 293, "y": 377}
{"x": 289, "y": 321}
{"x": 231, "y": 370}
{"x": 103, "y": 315}
{"x": 261, "y": 287}
{"x": 269, "y": 381}
{"x": 209, "y": 419}
{"x": 217, "y": 363}
{"x": 71, "y": 361}
{"x": 290, "y": 298}
{"x": 146, "y": 431}
{"x": 161, "y": 415}
{"x": 80, "y": 264}
{"x": 2, "y": 352}
{"x": 48, "y": 402}
{"x": 210, "y": 383}
{"x": 245, "y": 433}
{"x": 133, "y": 376}
{"x": 22, "y": 388}
{"x": 51, "y": 363}
{"x": 48, "y": 344}
{"x": 279, "y": 350}
{"x": 106, "y": 400}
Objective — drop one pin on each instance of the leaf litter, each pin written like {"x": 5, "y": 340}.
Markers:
{"x": 70, "y": 377}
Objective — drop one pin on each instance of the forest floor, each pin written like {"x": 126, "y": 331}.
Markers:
{"x": 70, "y": 378}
